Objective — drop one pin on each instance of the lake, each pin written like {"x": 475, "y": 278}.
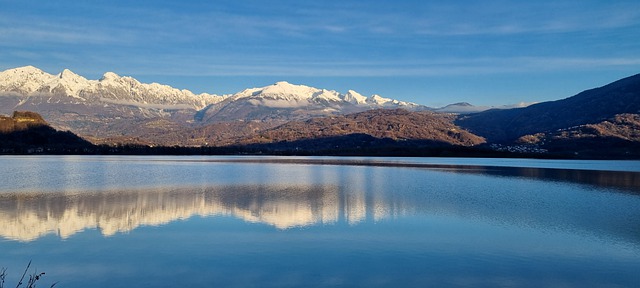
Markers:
{"x": 136, "y": 221}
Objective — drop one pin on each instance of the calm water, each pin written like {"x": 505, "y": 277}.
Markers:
{"x": 320, "y": 222}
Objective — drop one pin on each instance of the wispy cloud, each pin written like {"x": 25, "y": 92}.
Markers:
{"x": 507, "y": 18}
{"x": 15, "y": 30}
{"x": 49, "y": 34}
{"x": 198, "y": 66}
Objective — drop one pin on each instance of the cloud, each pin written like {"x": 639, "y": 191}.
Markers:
{"x": 512, "y": 18}
{"x": 25, "y": 30}
{"x": 197, "y": 65}
{"x": 20, "y": 35}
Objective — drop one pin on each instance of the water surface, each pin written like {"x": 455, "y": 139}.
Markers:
{"x": 110, "y": 221}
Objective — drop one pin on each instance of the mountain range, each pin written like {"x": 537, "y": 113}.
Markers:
{"x": 114, "y": 104}
{"x": 283, "y": 116}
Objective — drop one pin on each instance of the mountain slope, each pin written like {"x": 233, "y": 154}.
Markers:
{"x": 397, "y": 124}
{"x": 391, "y": 124}
{"x": 618, "y": 137}
{"x": 588, "y": 107}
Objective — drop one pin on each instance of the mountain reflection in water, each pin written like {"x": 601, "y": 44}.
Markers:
{"x": 26, "y": 217}
{"x": 29, "y": 216}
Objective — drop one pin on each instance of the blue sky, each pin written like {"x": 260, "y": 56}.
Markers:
{"x": 430, "y": 52}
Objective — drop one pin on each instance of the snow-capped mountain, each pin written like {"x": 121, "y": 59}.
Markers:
{"x": 354, "y": 97}
{"x": 127, "y": 90}
{"x": 284, "y": 94}
{"x": 23, "y": 80}
{"x": 116, "y": 105}
{"x": 115, "y": 89}
{"x": 285, "y": 101}
{"x": 111, "y": 88}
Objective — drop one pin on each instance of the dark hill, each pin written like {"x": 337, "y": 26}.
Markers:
{"x": 588, "y": 107}
{"x": 27, "y": 132}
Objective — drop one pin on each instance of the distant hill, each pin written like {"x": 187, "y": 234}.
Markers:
{"x": 391, "y": 124}
{"x": 376, "y": 132}
{"x": 466, "y": 108}
{"x": 588, "y": 107}
{"x": 397, "y": 125}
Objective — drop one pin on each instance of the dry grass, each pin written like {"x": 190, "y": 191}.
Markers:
{"x": 31, "y": 282}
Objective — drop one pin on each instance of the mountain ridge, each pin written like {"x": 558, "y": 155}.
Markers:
{"x": 30, "y": 80}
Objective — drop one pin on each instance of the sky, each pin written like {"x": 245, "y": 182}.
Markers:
{"x": 430, "y": 52}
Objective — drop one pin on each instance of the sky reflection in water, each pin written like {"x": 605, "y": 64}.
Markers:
{"x": 158, "y": 221}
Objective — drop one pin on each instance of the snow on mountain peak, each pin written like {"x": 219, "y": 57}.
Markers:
{"x": 125, "y": 89}
{"x": 109, "y": 76}
{"x": 111, "y": 88}
{"x": 283, "y": 84}
{"x": 26, "y": 70}
{"x": 282, "y": 90}
{"x": 23, "y": 80}
{"x": 285, "y": 88}
{"x": 354, "y": 97}
{"x": 377, "y": 99}
{"x": 66, "y": 82}
{"x": 284, "y": 94}
{"x": 69, "y": 76}
{"x": 66, "y": 73}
